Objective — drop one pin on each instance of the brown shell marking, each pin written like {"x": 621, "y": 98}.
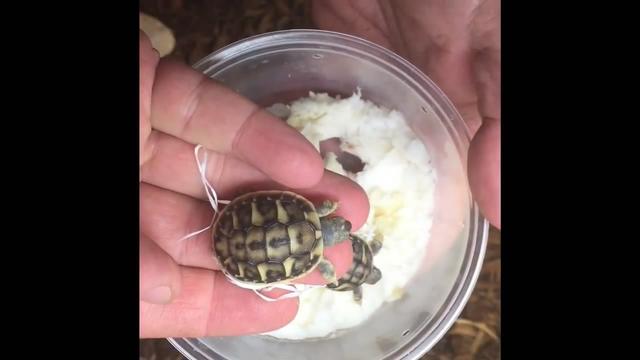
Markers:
{"x": 268, "y": 236}
{"x": 360, "y": 268}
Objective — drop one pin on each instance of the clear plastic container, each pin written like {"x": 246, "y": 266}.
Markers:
{"x": 283, "y": 66}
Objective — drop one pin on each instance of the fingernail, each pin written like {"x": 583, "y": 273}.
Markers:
{"x": 158, "y": 295}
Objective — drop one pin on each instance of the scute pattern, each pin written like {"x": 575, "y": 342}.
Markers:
{"x": 266, "y": 237}
{"x": 360, "y": 268}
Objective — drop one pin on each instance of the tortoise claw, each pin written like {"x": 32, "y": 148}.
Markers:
{"x": 357, "y": 295}
{"x": 374, "y": 276}
{"x": 326, "y": 208}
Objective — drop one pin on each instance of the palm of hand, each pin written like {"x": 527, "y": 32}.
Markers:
{"x": 457, "y": 44}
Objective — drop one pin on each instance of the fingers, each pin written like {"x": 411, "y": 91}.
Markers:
{"x": 148, "y": 62}
{"x": 484, "y": 152}
{"x": 209, "y": 305}
{"x": 166, "y": 217}
{"x": 173, "y": 167}
{"x": 159, "y": 274}
{"x": 353, "y": 202}
{"x": 359, "y": 18}
{"x": 190, "y": 106}
{"x": 484, "y": 170}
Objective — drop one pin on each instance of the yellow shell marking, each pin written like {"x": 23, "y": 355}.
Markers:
{"x": 282, "y": 216}
{"x": 313, "y": 218}
{"x": 236, "y": 223}
{"x": 288, "y": 266}
{"x": 256, "y": 217}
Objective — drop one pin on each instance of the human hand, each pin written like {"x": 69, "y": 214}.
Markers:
{"x": 181, "y": 293}
{"x": 457, "y": 44}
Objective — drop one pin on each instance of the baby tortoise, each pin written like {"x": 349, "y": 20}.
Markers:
{"x": 362, "y": 269}
{"x": 274, "y": 237}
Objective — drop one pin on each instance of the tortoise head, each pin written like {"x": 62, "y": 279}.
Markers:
{"x": 335, "y": 230}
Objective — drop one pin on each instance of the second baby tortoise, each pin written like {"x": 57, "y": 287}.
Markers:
{"x": 362, "y": 269}
{"x": 273, "y": 237}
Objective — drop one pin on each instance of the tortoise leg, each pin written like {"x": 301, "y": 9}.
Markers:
{"x": 375, "y": 246}
{"x": 328, "y": 272}
{"x": 357, "y": 294}
{"x": 334, "y": 230}
{"x": 326, "y": 208}
{"x": 374, "y": 276}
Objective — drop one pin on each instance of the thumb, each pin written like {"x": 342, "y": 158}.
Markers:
{"x": 484, "y": 152}
{"x": 484, "y": 170}
{"x": 159, "y": 274}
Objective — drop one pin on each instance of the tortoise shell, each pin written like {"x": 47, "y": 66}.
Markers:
{"x": 360, "y": 269}
{"x": 268, "y": 237}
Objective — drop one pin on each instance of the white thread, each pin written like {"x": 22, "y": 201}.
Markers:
{"x": 298, "y": 289}
{"x": 211, "y": 193}
{"x": 202, "y": 167}
{"x": 199, "y": 231}
{"x": 295, "y": 290}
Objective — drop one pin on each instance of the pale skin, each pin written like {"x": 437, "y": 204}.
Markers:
{"x": 181, "y": 293}
{"x": 457, "y": 44}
